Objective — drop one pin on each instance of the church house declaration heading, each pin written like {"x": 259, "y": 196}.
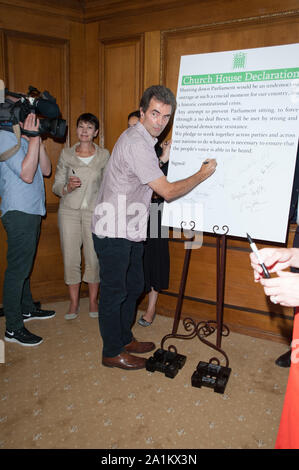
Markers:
{"x": 240, "y": 107}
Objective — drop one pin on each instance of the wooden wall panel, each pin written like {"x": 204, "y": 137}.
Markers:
{"x": 2, "y": 69}
{"x": 76, "y": 85}
{"x": 50, "y": 59}
{"x": 122, "y": 65}
{"x": 43, "y": 63}
{"x": 93, "y": 73}
{"x": 47, "y": 279}
{"x": 16, "y": 18}
{"x": 246, "y": 309}
{"x": 192, "y": 14}
{"x": 152, "y": 59}
{"x": 231, "y": 36}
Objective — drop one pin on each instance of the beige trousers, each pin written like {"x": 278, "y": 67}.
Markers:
{"x": 75, "y": 232}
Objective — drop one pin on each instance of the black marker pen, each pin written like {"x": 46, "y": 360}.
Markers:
{"x": 256, "y": 251}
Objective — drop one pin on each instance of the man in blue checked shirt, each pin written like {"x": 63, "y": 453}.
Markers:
{"x": 22, "y": 207}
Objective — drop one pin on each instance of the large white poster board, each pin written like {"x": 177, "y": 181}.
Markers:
{"x": 240, "y": 107}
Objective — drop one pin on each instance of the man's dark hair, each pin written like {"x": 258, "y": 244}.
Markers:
{"x": 134, "y": 113}
{"x": 88, "y": 117}
{"x": 160, "y": 93}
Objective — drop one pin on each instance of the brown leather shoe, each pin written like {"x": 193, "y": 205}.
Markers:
{"x": 124, "y": 361}
{"x": 139, "y": 347}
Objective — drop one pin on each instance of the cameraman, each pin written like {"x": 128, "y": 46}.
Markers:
{"x": 22, "y": 205}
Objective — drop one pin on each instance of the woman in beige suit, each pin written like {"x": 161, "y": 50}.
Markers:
{"x": 77, "y": 180}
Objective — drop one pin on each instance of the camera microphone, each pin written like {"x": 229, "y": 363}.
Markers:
{"x": 47, "y": 108}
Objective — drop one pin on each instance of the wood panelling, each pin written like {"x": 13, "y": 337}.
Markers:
{"x": 47, "y": 279}
{"x": 152, "y": 58}
{"x": 206, "y": 39}
{"x": 103, "y": 9}
{"x": 122, "y": 65}
{"x": 92, "y": 73}
{"x": 94, "y": 10}
{"x": 46, "y": 53}
{"x": 204, "y": 12}
{"x": 28, "y": 52}
{"x": 246, "y": 309}
{"x": 42, "y": 62}
{"x": 77, "y": 78}
{"x": 2, "y": 67}
{"x": 26, "y": 20}
{"x": 158, "y": 12}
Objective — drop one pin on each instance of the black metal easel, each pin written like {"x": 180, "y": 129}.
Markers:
{"x": 205, "y": 328}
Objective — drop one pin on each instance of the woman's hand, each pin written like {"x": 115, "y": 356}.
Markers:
{"x": 73, "y": 183}
{"x": 283, "y": 289}
{"x": 275, "y": 259}
{"x": 166, "y": 146}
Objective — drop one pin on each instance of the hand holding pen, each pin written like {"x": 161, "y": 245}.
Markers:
{"x": 74, "y": 182}
{"x": 278, "y": 288}
{"x": 273, "y": 259}
{"x": 259, "y": 259}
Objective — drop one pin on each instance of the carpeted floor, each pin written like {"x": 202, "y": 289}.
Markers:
{"x": 59, "y": 396}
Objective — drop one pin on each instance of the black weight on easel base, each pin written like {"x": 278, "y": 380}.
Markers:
{"x": 211, "y": 375}
{"x": 168, "y": 362}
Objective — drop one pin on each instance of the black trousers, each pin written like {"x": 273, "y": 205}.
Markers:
{"x": 22, "y": 238}
{"x": 121, "y": 284}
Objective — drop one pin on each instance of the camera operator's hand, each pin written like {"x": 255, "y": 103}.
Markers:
{"x": 31, "y": 159}
{"x": 31, "y": 124}
{"x": 36, "y": 153}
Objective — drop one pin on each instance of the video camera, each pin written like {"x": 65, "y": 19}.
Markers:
{"x": 42, "y": 104}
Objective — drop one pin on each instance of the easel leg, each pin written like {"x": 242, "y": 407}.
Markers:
{"x": 181, "y": 292}
{"x": 204, "y": 328}
{"x": 221, "y": 259}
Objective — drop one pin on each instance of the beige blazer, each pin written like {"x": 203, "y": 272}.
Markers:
{"x": 90, "y": 175}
